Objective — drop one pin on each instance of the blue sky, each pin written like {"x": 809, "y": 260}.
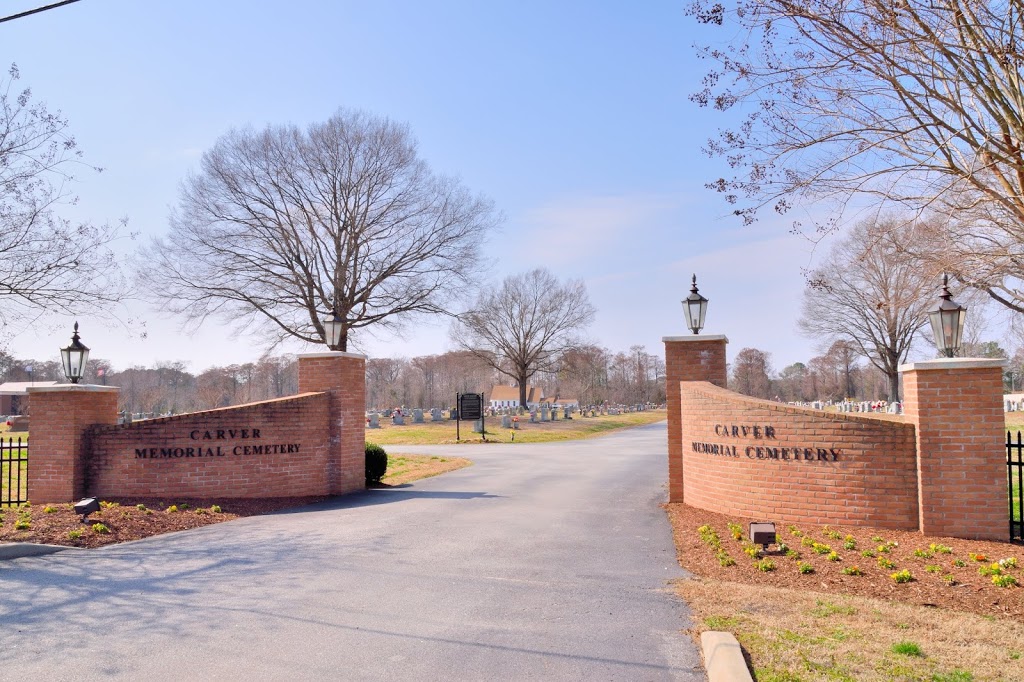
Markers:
{"x": 572, "y": 116}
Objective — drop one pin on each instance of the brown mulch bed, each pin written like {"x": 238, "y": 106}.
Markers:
{"x": 952, "y": 586}
{"x": 130, "y": 519}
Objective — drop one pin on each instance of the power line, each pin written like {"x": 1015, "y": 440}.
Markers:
{"x": 36, "y": 11}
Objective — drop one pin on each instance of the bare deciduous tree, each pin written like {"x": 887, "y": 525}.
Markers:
{"x": 918, "y": 103}
{"x": 287, "y": 225}
{"x": 870, "y": 295}
{"x": 524, "y": 325}
{"x": 751, "y": 371}
{"x": 47, "y": 263}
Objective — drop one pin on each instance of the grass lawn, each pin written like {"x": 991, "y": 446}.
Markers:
{"x": 438, "y": 433}
{"x": 406, "y": 468}
{"x": 10, "y": 476}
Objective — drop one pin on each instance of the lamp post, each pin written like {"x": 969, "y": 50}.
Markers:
{"x": 947, "y": 321}
{"x": 74, "y": 358}
{"x": 332, "y": 330}
{"x": 694, "y": 307}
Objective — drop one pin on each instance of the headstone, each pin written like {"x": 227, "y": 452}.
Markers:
{"x": 374, "y": 421}
{"x": 515, "y": 423}
{"x": 453, "y": 414}
{"x": 478, "y": 426}
{"x": 436, "y": 415}
{"x": 554, "y": 413}
{"x": 397, "y": 419}
{"x": 533, "y": 416}
{"x": 545, "y": 414}
{"x": 506, "y": 421}
{"x": 417, "y": 416}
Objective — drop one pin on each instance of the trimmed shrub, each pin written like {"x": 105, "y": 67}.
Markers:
{"x": 376, "y": 463}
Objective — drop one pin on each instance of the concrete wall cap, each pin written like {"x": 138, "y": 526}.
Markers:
{"x": 74, "y": 388}
{"x": 332, "y": 354}
{"x": 695, "y": 337}
{"x": 953, "y": 363}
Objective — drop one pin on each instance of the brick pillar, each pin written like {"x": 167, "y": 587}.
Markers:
{"x": 59, "y": 417}
{"x": 688, "y": 358}
{"x": 956, "y": 406}
{"x": 343, "y": 376}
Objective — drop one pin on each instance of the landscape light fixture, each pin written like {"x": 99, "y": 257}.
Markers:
{"x": 74, "y": 358}
{"x": 332, "y": 329}
{"x": 947, "y": 321}
{"x": 763, "y": 534}
{"x": 695, "y": 306}
{"x": 86, "y": 507}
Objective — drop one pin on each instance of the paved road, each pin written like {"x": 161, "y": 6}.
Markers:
{"x": 540, "y": 562}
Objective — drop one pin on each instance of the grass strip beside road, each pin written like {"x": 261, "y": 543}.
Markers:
{"x": 806, "y": 636}
{"x": 406, "y": 468}
{"x": 443, "y": 433}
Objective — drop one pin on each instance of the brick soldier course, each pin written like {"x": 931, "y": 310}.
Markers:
{"x": 308, "y": 444}
{"x": 942, "y": 471}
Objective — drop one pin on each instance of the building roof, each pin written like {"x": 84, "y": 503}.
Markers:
{"x": 511, "y": 393}
{"x": 18, "y": 387}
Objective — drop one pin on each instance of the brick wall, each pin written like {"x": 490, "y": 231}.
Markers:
{"x": 274, "y": 448}
{"x": 688, "y": 358}
{"x": 811, "y": 467}
{"x": 956, "y": 406}
{"x": 343, "y": 377}
{"x": 57, "y": 469}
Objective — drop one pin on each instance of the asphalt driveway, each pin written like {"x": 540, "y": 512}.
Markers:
{"x": 540, "y": 562}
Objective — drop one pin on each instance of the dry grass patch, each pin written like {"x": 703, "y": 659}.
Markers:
{"x": 797, "y": 635}
{"x": 406, "y": 468}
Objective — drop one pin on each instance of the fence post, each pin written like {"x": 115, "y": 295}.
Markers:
{"x": 956, "y": 406}
{"x": 688, "y": 358}
{"x": 343, "y": 377}
{"x": 59, "y": 417}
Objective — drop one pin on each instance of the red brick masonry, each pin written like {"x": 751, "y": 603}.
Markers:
{"x": 276, "y": 448}
{"x": 762, "y": 459}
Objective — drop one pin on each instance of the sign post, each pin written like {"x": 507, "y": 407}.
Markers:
{"x": 471, "y": 407}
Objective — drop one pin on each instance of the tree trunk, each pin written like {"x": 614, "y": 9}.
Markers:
{"x": 522, "y": 393}
{"x": 894, "y": 386}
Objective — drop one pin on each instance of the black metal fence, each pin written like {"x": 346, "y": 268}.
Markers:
{"x": 13, "y": 472}
{"x": 1015, "y": 479}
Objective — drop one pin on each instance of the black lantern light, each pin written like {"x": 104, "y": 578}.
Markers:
{"x": 695, "y": 306}
{"x": 332, "y": 330}
{"x": 947, "y": 322}
{"x": 74, "y": 358}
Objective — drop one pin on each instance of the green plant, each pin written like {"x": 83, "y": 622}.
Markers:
{"x": 852, "y": 570}
{"x": 903, "y": 576}
{"x": 215, "y": 509}
{"x": 924, "y": 553}
{"x": 795, "y": 532}
{"x": 829, "y": 533}
{"x": 868, "y": 554}
{"x": 200, "y": 510}
{"x": 74, "y": 534}
{"x": 849, "y": 542}
{"x": 833, "y": 556}
{"x": 751, "y": 550}
{"x": 793, "y": 554}
{"x": 376, "y": 463}
{"x": 100, "y": 528}
{"x": 108, "y": 505}
{"x": 22, "y": 524}
{"x": 1004, "y": 580}
{"x": 735, "y": 530}
{"x": 173, "y": 508}
{"x": 977, "y": 557}
{"x": 140, "y": 507}
{"x": 820, "y": 548}
{"x": 907, "y": 649}
{"x": 725, "y": 560}
{"x": 183, "y": 506}
{"x": 886, "y": 563}
{"x": 953, "y": 676}
{"x": 1010, "y": 562}
{"x": 993, "y": 569}
{"x": 804, "y": 567}
{"x": 939, "y": 548}
{"x": 806, "y": 541}
{"x": 933, "y": 568}
{"x": 765, "y": 565}
{"x": 959, "y": 563}
{"x": 949, "y": 579}
{"x": 49, "y": 509}
{"x": 877, "y": 538}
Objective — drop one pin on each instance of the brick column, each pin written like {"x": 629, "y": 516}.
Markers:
{"x": 956, "y": 406}
{"x": 59, "y": 418}
{"x": 343, "y": 376}
{"x": 688, "y": 358}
